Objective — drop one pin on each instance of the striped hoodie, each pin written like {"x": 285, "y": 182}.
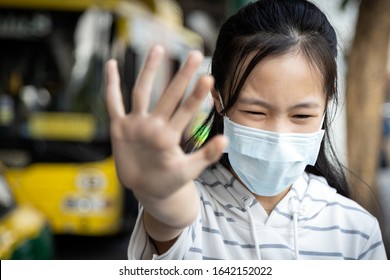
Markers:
{"x": 311, "y": 222}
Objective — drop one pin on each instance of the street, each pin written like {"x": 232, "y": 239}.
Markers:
{"x": 70, "y": 247}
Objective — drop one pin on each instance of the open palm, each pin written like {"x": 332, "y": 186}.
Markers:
{"x": 146, "y": 145}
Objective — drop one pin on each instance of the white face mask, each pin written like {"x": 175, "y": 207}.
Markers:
{"x": 268, "y": 162}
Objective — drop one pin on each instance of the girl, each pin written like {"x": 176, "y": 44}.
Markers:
{"x": 277, "y": 192}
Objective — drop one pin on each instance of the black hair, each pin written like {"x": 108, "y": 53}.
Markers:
{"x": 272, "y": 28}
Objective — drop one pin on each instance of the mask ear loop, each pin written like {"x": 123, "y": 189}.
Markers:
{"x": 224, "y": 114}
{"x": 223, "y": 111}
{"x": 323, "y": 120}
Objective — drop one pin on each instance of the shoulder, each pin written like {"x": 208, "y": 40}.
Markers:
{"x": 330, "y": 211}
{"x": 320, "y": 187}
{"x": 338, "y": 206}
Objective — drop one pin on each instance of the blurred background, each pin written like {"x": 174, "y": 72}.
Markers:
{"x": 59, "y": 194}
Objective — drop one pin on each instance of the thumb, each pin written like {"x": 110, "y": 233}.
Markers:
{"x": 207, "y": 155}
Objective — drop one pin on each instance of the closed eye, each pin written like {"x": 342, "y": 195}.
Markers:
{"x": 302, "y": 116}
{"x": 254, "y": 113}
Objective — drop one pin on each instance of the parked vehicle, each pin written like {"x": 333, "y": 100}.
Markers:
{"x": 54, "y": 128}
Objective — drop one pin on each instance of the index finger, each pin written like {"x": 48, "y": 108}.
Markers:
{"x": 113, "y": 92}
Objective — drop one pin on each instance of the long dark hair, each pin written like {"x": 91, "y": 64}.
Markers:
{"x": 272, "y": 28}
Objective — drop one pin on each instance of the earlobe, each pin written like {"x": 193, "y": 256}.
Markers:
{"x": 218, "y": 101}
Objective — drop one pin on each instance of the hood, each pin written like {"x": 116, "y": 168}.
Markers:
{"x": 308, "y": 191}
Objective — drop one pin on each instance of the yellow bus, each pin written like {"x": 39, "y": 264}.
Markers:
{"x": 54, "y": 128}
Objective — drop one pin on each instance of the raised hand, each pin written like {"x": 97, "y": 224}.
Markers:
{"x": 146, "y": 145}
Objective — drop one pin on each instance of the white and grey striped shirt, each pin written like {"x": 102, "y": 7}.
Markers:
{"x": 311, "y": 222}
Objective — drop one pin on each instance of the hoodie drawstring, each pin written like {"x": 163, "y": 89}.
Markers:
{"x": 296, "y": 210}
{"x": 247, "y": 201}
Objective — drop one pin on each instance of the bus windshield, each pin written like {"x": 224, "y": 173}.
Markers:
{"x": 52, "y": 86}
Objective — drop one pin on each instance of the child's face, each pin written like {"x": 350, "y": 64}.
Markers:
{"x": 282, "y": 94}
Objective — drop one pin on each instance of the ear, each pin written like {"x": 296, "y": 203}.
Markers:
{"x": 217, "y": 101}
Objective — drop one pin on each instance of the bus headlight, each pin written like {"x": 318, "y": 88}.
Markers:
{"x": 91, "y": 179}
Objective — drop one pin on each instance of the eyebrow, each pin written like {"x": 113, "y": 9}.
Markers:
{"x": 259, "y": 102}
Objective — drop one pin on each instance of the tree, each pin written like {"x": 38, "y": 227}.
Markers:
{"x": 365, "y": 95}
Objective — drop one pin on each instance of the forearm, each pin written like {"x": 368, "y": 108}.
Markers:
{"x": 164, "y": 219}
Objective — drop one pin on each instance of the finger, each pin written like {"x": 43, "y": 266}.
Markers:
{"x": 191, "y": 105}
{"x": 145, "y": 81}
{"x": 206, "y": 156}
{"x": 113, "y": 91}
{"x": 176, "y": 89}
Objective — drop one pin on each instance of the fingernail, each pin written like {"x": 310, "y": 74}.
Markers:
{"x": 156, "y": 50}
